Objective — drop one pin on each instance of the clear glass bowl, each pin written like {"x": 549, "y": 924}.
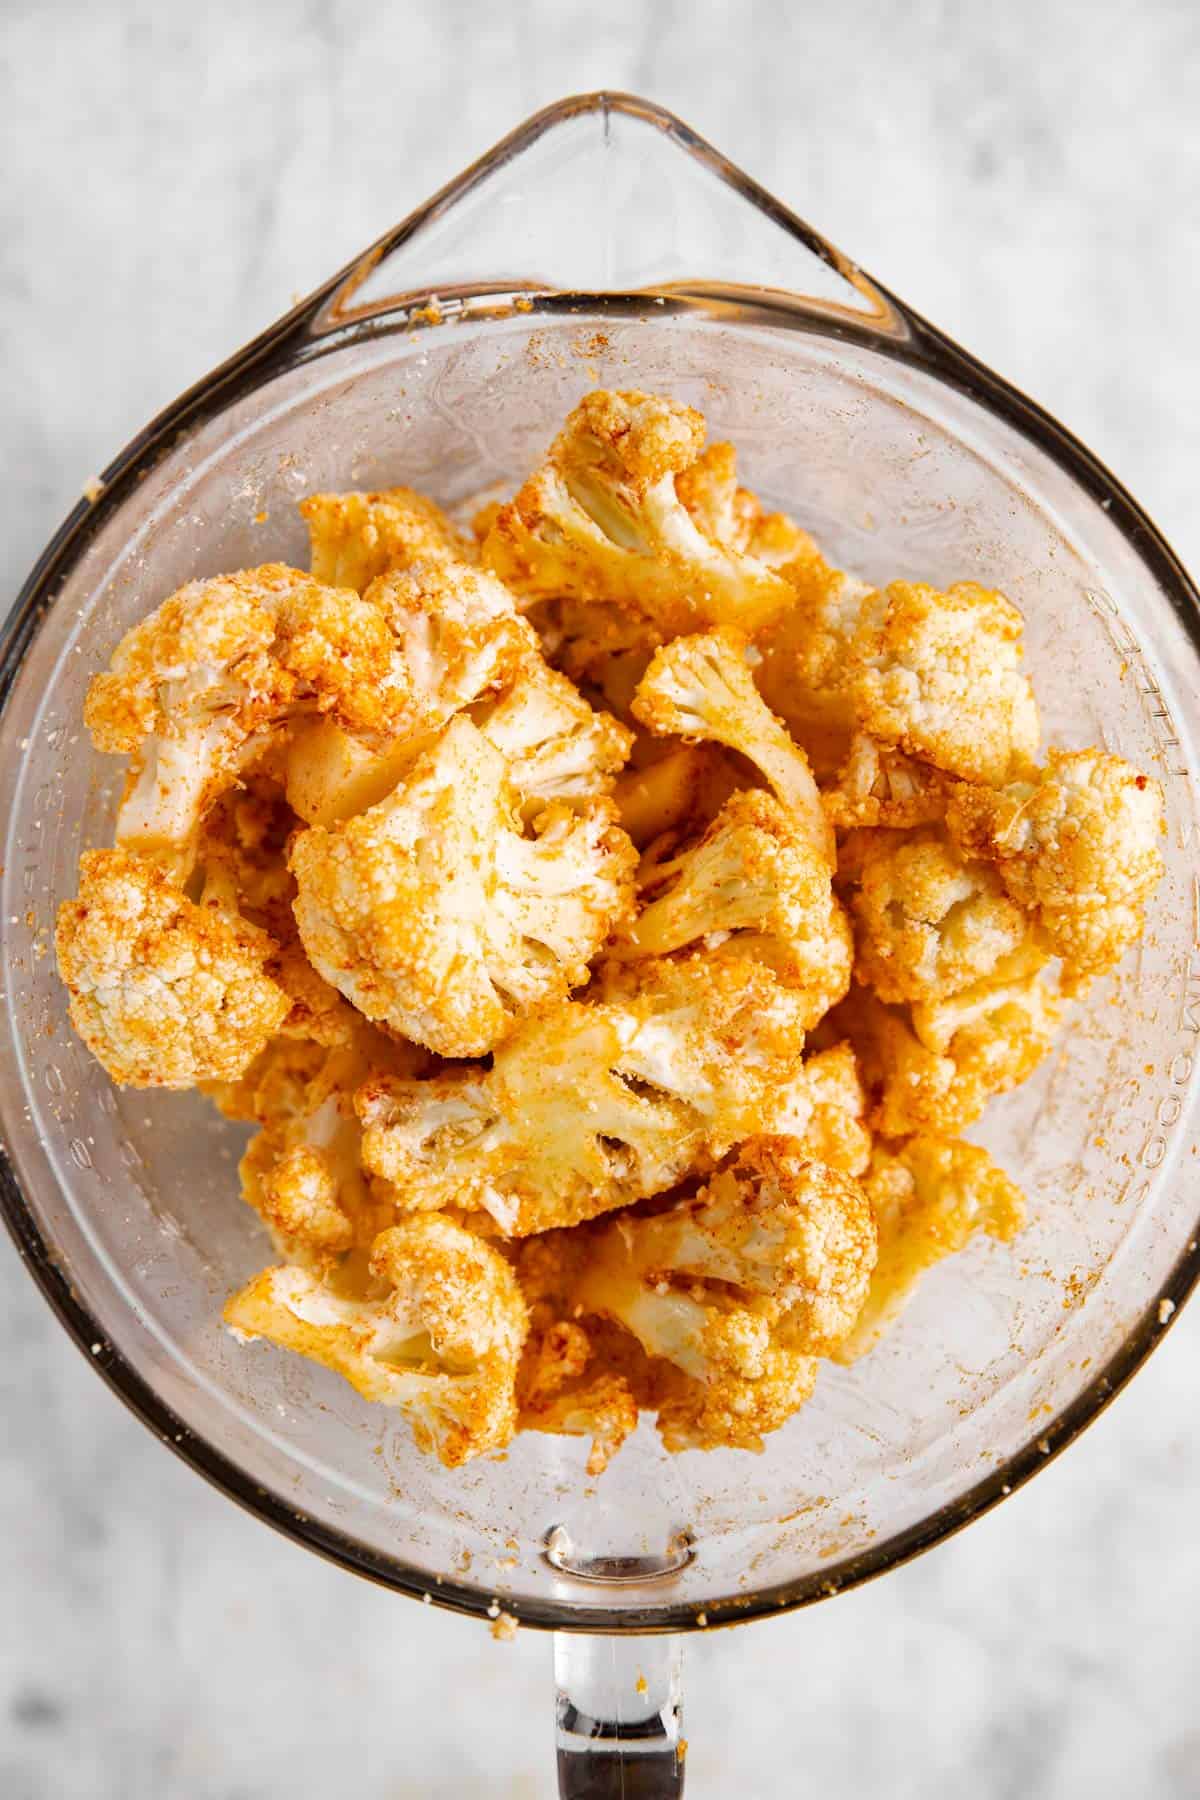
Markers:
{"x": 604, "y": 244}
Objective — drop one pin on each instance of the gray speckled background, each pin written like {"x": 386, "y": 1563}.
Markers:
{"x": 1029, "y": 177}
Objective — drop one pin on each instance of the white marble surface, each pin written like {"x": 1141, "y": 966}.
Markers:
{"x": 1028, "y": 176}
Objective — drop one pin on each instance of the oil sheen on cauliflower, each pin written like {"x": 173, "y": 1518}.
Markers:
{"x": 603, "y": 518}
{"x": 435, "y": 913}
{"x": 438, "y": 1333}
{"x": 591, "y": 1105}
{"x": 163, "y": 992}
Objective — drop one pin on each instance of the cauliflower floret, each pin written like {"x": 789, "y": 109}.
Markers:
{"x": 438, "y": 1335}
{"x": 927, "y": 923}
{"x": 701, "y": 687}
{"x": 935, "y": 675}
{"x": 302, "y": 1172}
{"x": 723, "y": 1372}
{"x": 556, "y": 746}
{"x": 752, "y": 1385}
{"x": 683, "y": 787}
{"x": 196, "y": 691}
{"x": 356, "y": 537}
{"x": 164, "y": 993}
{"x": 974, "y": 1045}
{"x": 589, "y": 1106}
{"x": 433, "y": 911}
{"x": 824, "y": 1108}
{"x": 767, "y": 1226}
{"x": 938, "y": 675}
{"x": 754, "y": 882}
{"x": 929, "y": 1198}
{"x": 1077, "y": 846}
{"x": 599, "y": 1406}
{"x": 877, "y": 786}
{"x": 602, "y": 520}
{"x": 460, "y": 638}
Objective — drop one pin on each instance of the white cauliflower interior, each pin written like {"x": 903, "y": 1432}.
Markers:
{"x": 591, "y": 1105}
{"x": 436, "y": 913}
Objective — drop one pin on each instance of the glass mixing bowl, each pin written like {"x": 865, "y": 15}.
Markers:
{"x": 604, "y": 244}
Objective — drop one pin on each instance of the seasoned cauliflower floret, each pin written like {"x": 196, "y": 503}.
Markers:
{"x": 460, "y": 638}
{"x": 938, "y": 675}
{"x": 198, "y": 690}
{"x": 356, "y": 537}
{"x": 439, "y": 1333}
{"x": 824, "y": 1108}
{"x": 463, "y": 647}
{"x": 935, "y": 675}
{"x": 163, "y": 992}
{"x": 751, "y": 1384}
{"x": 589, "y": 1106}
{"x": 557, "y": 747}
{"x": 435, "y": 913}
{"x": 241, "y": 854}
{"x": 1077, "y": 845}
{"x": 929, "y": 1197}
{"x": 574, "y": 1381}
{"x": 754, "y": 882}
{"x": 729, "y": 1357}
{"x": 766, "y": 1226}
{"x": 927, "y": 923}
{"x": 602, "y": 519}
{"x": 456, "y": 637}
{"x": 701, "y": 687}
{"x": 972, "y": 1046}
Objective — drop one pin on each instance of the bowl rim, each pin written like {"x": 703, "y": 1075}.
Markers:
{"x": 315, "y": 326}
